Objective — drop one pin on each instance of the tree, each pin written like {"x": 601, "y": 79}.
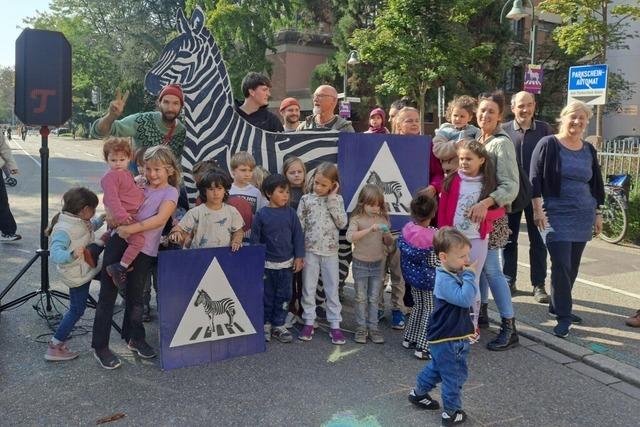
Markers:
{"x": 589, "y": 28}
{"x": 418, "y": 44}
{"x": 244, "y": 31}
{"x": 6, "y": 94}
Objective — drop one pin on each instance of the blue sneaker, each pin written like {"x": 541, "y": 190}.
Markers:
{"x": 397, "y": 319}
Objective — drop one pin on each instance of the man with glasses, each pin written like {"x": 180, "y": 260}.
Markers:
{"x": 325, "y": 99}
{"x": 525, "y": 132}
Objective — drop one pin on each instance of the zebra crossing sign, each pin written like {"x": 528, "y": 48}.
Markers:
{"x": 398, "y": 164}
{"x": 210, "y": 304}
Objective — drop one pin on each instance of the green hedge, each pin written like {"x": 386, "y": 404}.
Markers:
{"x": 633, "y": 232}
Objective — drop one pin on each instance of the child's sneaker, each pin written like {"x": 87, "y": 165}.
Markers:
{"x": 397, "y": 319}
{"x": 11, "y": 237}
{"x": 59, "y": 352}
{"x": 380, "y": 315}
{"x": 118, "y": 274}
{"x": 457, "y": 417}
{"x": 307, "y": 333}
{"x": 423, "y": 401}
{"x": 282, "y": 334}
{"x": 408, "y": 344}
{"x": 267, "y": 332}
{"x": 141, "y": 347}
{"x": 422, "y": 354}
{"x": 289, "y": 320}
{"x": 337, "y": 338}
{"x": 361, "y": 336}
{"x": 475, "y": 337}
{"x": 376, "y": 336}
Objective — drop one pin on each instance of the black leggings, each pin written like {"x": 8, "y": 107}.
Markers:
{"x": 132, "y": 327}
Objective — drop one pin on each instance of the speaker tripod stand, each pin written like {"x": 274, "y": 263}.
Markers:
{"x": 43, "y": 252}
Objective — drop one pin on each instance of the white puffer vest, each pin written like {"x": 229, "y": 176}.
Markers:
{"x": 77, "y": 272}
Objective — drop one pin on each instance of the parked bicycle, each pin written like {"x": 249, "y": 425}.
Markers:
{"x": 614, "y": 211}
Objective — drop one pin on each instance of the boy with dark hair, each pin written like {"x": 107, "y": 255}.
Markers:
{"x": 256, "y": 89}
{"x": 278, "y": 227}
{"x": 450, "y": 327}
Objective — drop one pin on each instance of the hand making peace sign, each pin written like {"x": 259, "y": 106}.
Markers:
{"x": 117, "y": 105}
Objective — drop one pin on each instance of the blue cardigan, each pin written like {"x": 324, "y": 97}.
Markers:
{"x": 546, "y": 170}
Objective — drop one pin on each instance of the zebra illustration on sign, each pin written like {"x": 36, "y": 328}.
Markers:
{"x": 215, "y": 308}
{"x": 214, "y": 129}
{"x": 388, "y": 187}
{"x": 198, "y": 320}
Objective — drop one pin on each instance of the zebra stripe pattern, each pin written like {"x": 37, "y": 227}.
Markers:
{"x": 216, "y": 308}
{"x": 214, "y": 129}
{"x": 388, "y": 187}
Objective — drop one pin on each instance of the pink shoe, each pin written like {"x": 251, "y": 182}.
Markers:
{"x": 59, "y": 352}
{"x": 337, "y": 338}
{"x": 307, "y": 333}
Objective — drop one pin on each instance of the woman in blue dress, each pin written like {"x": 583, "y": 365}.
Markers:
{"x": 567, "y": 192}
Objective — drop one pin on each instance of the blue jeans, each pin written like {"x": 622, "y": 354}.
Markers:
{"x": 277, "y": 294}
{"x": 367, "y": 280}
{"x": 449, "y": 365}
{"x": 493, "y": 278}
{"x": 77, "y": 304}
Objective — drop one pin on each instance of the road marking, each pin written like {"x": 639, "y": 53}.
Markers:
{"x": 592, "y": 283}
{"x": 29, "y": 155}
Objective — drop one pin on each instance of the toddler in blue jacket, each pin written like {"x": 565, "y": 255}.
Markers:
{"x": 450, "y": 327}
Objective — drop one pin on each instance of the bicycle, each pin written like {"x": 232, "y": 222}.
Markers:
{"x": 614, "y": 211}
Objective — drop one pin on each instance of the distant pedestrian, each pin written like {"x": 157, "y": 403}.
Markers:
{"x": 75, "y": 254}
{"x": 8, "y": 225}
{"x": 567, "y": 192}
{"x": 450, "y": 328}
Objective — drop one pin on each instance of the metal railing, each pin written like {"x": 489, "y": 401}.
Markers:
{"x": 621, "y": 156}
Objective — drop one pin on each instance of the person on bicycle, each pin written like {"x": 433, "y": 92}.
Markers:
{"x": 566, "y": 174}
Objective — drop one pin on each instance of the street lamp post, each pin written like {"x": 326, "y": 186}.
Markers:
{"x": 353, "y": 60}
{"x": 518, "y": 12}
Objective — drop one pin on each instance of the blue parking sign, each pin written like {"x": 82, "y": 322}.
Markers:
{"x": 588, "y": 83}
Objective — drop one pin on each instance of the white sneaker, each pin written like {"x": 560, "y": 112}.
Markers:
{"x": 9, "y": 237}
{"x": 289, "y": 320}
{"x": 387, "y": 289}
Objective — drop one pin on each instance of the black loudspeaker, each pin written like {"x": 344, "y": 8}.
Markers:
{"x": 43, "y": 78}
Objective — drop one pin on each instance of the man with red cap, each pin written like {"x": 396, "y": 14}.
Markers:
{"x": 290, "y": 112}
{"x": 150, "y": 128}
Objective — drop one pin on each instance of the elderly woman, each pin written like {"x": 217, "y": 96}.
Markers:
{"x": 498, "y": 144}
{"x": 567, "y": 191}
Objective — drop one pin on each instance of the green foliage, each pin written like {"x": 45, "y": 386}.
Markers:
{"x": 633, "y": 212}
{"x": 6, "y": 94}
{"x": 589, "y": 28}
{"x": 244, "y": 31}
{"x": 418, "y": 44}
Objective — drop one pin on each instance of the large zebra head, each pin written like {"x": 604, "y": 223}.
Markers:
{"x": 202, "y": 297}
{"x": 185, "y": 57}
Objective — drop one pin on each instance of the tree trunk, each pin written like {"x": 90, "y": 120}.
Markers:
{"x": 421, "y": 99}
{"x": 603, "y": 60}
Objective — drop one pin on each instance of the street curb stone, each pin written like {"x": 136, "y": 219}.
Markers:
{"x": 627, "y": 389}
{"x": 551, "y": 354}
{"x": 613, "y": 367}
{"x": 578, "y": 353}
{"x": 594, "y": 373}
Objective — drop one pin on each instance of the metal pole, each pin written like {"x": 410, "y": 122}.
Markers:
{"x": 344, "y": 85}
{"x": 533, "y": 32}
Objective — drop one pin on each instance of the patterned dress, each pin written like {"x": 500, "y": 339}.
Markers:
{"x": 572, "y": 214}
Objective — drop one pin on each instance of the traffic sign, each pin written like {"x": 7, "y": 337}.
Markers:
{"x": 588, "y": 83}
{"x": 345, "y": 110}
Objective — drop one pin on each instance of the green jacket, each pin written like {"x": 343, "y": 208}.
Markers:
{"x": 340, "y": 124}
{"x": 502, "y": 152}
{"x": 147, "y": 130}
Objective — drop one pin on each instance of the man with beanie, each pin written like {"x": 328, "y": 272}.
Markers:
{"x": 150, "y": 128}
{"x": 256, "y": 89}
{"x": 290, "y": 112}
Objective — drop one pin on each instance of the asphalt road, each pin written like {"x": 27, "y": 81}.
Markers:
{"x": 301, "y": 384}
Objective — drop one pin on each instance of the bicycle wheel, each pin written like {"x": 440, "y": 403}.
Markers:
{"x": 614, "y": 219}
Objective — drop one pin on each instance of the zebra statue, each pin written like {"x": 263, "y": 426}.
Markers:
{"x": 388, "y": 187}
{"x": 215, "y": 308}
{"x": 214, "y": 129}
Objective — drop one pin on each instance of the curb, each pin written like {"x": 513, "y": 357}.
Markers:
{"x": 622, "y": 371}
